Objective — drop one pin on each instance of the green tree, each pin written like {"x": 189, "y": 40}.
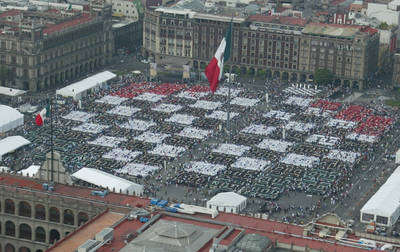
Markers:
{"x": 226, "y": 68}
{"x": 250, "y": 72}
{"x": 261, "y": 73}
{"x": 236, "y": 70}
{"x": 383, "y": 26}
{"x": 323, "y": 76}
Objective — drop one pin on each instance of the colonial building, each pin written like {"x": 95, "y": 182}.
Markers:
{"x": 43, "y": 49}
{"x": 396, "y": 70}
{"x": 349, "y": 52}
{"x": 275, "y": 46}
{"x": 38, "y": 211}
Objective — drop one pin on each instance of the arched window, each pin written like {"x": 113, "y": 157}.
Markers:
{"x": 24, "y": 209}
{"x": 54, "y": 236}
{"x": 9, "y": 248}
{"x": 40, "y": 212}
{"x": 24, "y": 249}
{"x": 10, "y": 228}
{"x": 54, "y": 214}
{"x": 25, "y": 231}
{"x": 40, "y": 234}
{"x": 9, "y": 206}
{"x": 82, "y": 218}
{"x": 68, "y": 217}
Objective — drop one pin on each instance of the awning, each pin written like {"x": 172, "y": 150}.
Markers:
{"x": 12, "y": 143}
{"x": 107, "y": 180}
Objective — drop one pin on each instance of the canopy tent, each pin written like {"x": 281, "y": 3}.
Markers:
{"x": 106, "y": 180}
{"x": 11, "y": 91}
{"x": 229, "y": 202}
{"x": 10, "y": 118}
{"x": 384, "y": 206}
{"x": 30, "y": 171}
{"x": 79, "y": 89}
{"x": 12, "y": 143}
{"x": 397, "y": 158}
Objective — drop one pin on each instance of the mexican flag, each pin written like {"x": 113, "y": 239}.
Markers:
{"x": 42, "y": 115}
{"x": 215, "y": 68}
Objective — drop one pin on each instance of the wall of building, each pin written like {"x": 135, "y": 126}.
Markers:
{"x": 286, "y": 54}
{"x": 33, "y": 220}
{"x": 39, "y": 61}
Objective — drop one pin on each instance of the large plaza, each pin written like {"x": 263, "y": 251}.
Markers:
{"x": 293, "y": 139}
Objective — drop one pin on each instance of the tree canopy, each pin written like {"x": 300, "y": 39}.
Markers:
{"x": 383, "y": 26}
{"x": 323, "y": 76}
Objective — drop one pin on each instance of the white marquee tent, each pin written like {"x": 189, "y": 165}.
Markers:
{"x": 11, "y": 91}
{"x": 397, "y": 158}
{"x": 80, "y": 89}
{"x": 384, "y": 206}
{"x": 10, "y": 118}
{"x": 229, "y": 202}
{"x": 106, "y": 180}
{"x": 12, "y": 143}
{"x": 30, "y": 171}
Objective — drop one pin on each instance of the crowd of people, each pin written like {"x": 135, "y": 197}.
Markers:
{"x": 280, "y": 139}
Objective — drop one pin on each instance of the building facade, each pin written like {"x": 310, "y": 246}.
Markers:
{"x": 274, "y": 46}
{"x": 42, "y": 50}
{"x": 396, "y": 70}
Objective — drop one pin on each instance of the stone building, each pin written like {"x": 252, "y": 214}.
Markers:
{"x": 396, "y": 70}
{"x": 274, "y": 46}
{"x": 33, "y": 218}
{"x": 43, "y": 49}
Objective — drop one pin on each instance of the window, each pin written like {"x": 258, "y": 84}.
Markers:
{"x": 367, "y": 217}
{"x": 381, "y": 219}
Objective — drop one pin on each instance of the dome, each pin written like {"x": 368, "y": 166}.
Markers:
{"x": 175, "y": 231}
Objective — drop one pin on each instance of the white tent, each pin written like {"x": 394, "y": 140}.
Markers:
{"x": 106, "y": 180}
{"x": 397, "y": 160}
{"x": 229, "y": 202}
{"x": 384, "y": 206}
{"x": 10, "y": 144}
{"x": 10, "y": 118}
{"x": 79, "y": 89}
{"x": 30, "y": 171}
{"x": 11, "y": 91}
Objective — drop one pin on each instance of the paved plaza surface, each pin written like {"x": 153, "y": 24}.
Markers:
{"x": 296, "y": 154}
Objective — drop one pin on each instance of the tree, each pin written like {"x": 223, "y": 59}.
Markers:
{"x": 250, "y": 72}
{"x": 383, "y": 26}
{"x": 323, "y": 76}
{"x": 226, "y": 69}
{"x": 261, "y": 73}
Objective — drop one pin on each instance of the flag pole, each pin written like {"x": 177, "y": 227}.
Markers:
{"x": 228, "y": 123}
{"x": 51, "y": 138}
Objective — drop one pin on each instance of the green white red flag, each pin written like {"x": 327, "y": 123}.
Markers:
{"x": 215, "y": 68}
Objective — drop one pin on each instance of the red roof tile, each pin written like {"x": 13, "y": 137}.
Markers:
{"x": 228, "y": 240}
{"x": 77, "y": 192}
{"x": 10, "y": 13}
{"x": 70, "y": 23}
{"x": 120, "y": 234}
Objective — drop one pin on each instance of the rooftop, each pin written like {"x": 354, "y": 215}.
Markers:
{"x": 77, "y": 193}
{"x": 275, "y": 231}
{"x": 86, "y": 232}
{"x": 337, "y": 30}
{"x": 84, "y": 18}
{"x": 278, "y": 20}
{"x": 52, "y": 20}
